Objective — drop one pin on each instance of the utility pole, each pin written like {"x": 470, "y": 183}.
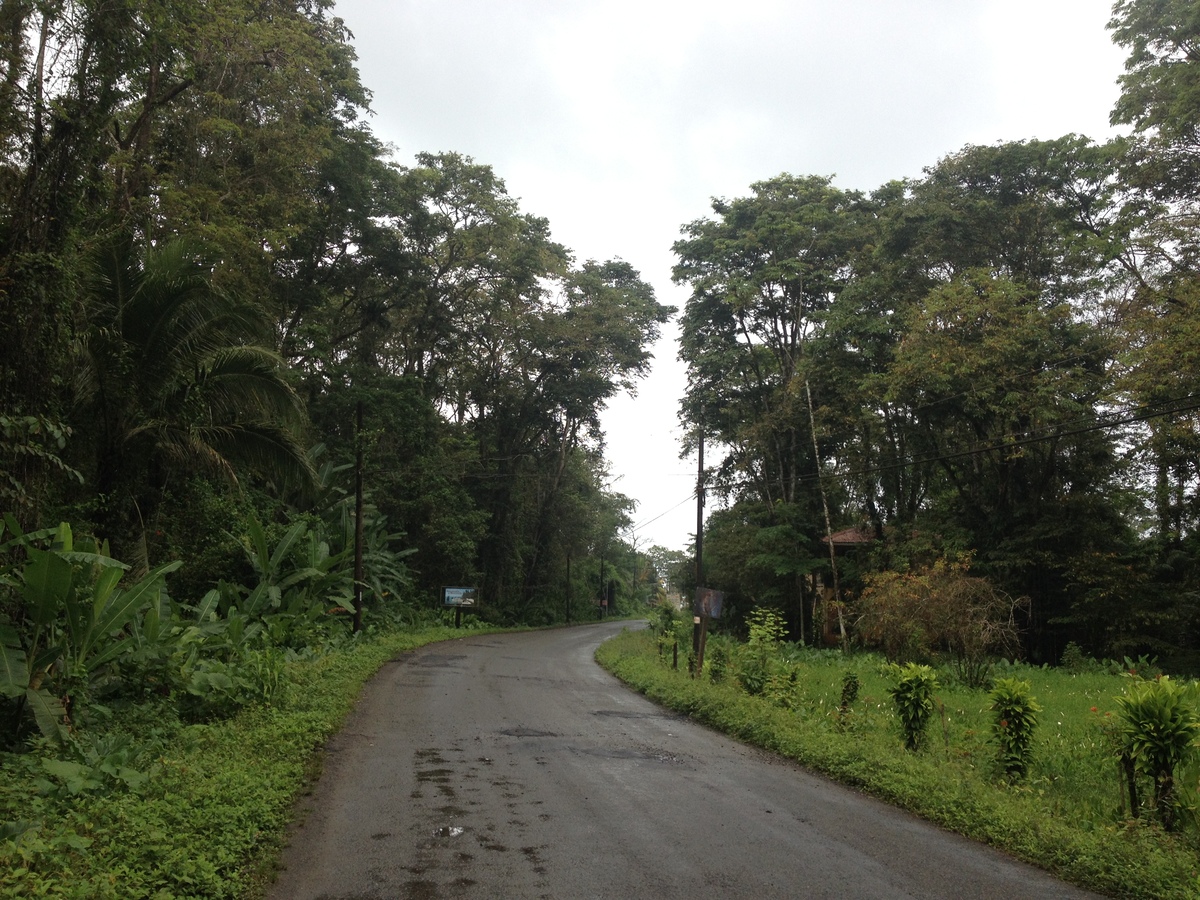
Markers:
{"x": 358, "y": 517}
{"x": 699, "y": 544}
{"x": 603, "y": 586}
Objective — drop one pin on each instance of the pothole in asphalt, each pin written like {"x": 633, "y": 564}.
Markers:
{"x": 627, "y": 714}
{"x": 624, "y": 753}
{"x": 448, "y": 831}
{"x": 522, "y": 732}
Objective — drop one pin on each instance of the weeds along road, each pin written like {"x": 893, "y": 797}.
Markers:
{"x": 508, "y": 766}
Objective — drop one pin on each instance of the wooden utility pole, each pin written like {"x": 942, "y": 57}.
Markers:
{"x": 603, "y": 587}
{"x": 358, "y": 517}
{"x": 699, "y": 545}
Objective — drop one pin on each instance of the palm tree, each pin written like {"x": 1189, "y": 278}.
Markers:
{"x": 175, "y": 377}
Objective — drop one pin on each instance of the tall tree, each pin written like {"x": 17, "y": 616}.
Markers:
{"x": 172, "y": 378}
{"x": 763, "y": 275}
{"x": 156, "y": 117}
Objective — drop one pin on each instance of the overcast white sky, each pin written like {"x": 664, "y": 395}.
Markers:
{"x": 618, "y": 121}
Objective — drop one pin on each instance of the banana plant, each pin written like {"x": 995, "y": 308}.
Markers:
{"x": 300, "y": 575}
{"x": 75, "y": 622}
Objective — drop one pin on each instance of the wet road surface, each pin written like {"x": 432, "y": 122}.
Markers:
{"x": 512, "y": 766}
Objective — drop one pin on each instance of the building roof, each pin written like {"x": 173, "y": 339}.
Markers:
{"x": 858, "y": 536}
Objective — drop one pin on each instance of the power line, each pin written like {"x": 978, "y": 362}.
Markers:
{"x": 687, "y": 499}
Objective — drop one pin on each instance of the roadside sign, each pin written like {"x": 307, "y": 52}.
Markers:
{"x": 459, "y": 596}
{"x": 708, "y": 602}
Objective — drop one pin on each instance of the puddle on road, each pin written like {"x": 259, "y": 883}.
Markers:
{"x": 448, "y": 831}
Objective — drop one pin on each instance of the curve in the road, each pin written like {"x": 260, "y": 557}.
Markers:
{"x": 513, "y": 766}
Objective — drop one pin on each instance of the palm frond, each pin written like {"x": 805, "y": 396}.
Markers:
{"x": 248, "y": 381}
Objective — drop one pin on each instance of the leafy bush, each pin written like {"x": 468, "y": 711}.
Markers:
{"x": 766, "y": 627}
{"x": 101, "y": 762}
{"x": 718, "y": 659}
{"x": 663, "y": 623}
{"x": 754, "y": 657}
{"x": 1015, "y": 718}
{"x": 850, "y": 687}
{"x": 913, "y": 696}
{"x": 217, "y": 688}
{"x": 1159, "y": 725}
{"x": 783, "y": 678}
{"x": 849, "y": 691}
{"x": 1075, "y": 660}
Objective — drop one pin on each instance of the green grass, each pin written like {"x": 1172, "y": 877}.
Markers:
{"x": 209, "y": 821}
{"x": 1064, "y": 817}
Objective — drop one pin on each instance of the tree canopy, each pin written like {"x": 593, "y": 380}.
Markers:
{"x": 211, "y": 270}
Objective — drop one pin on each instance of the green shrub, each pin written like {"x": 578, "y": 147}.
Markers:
{"x": 913, "y": 696}
{"x": 783, "y": 678}
{"x": 766, "y": 628}
{"x": 664, "y": 619}
{"x": 1014, "y": 721}
{"x": 850, "y": 688}
{"x": 1159, "y": 725}
{"x": 1075, "y": 660}
{"x": 718, "y": 660}
{"x": 755, "y": 656}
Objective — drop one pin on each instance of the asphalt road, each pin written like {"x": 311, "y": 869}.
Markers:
{"x": 511, "y": 766}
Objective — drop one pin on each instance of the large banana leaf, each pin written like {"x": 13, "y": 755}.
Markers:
{"x": 14, "y": 669}
{"x": 49, "y": 581}
{"x": 116, "y": 613}
{"x": 207, "y": 608}
{"x": 48, "y": 713}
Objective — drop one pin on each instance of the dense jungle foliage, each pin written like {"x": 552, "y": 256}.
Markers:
{"x": 991, "y": 367}
{"x": 264, "y": 390}
{"x": 240, "y": 341}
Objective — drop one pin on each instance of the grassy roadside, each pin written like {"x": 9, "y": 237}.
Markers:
{"x": 209, "y": 819}
{"x": 944, "y": 783}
